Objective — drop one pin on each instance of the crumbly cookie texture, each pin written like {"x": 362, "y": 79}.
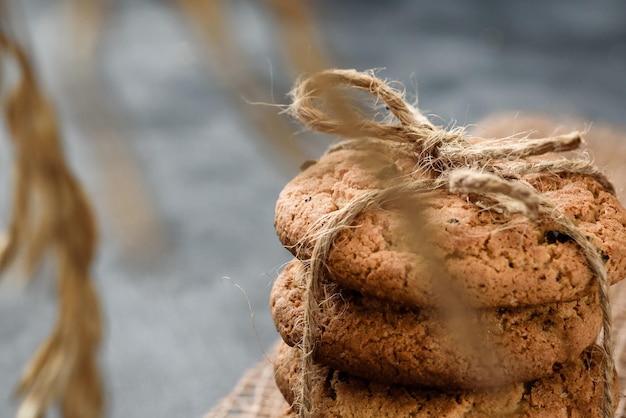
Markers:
{"x": 493, "y": 259}
{"x": 378, "y": 340}
{"x": 574, "y": 390}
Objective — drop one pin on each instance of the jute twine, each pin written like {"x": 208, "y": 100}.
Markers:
{"x": 50, "y": 212}
{"x": 491, "y": 169}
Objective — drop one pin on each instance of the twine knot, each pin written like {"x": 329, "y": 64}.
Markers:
{"x": 318, "y": 104}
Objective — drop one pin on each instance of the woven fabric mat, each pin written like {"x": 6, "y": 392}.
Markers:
{"x": 256, "y": 394}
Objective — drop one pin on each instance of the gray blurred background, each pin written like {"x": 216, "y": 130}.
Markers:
{"x": 179, "y": 335}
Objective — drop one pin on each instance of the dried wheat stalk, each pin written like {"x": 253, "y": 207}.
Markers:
{"x": 51, "y": 214}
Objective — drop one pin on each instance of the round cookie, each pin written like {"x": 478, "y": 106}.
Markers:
{"x": 575, "y": 390}
{"x": 494, "y": 259}
{"x": 378, "y": 340}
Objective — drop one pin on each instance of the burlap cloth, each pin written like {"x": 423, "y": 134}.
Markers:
{"x": 255, "y": 395}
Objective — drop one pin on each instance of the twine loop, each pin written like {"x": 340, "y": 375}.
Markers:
{"x": 412, "y": 126}
{"x": 489, "y": 168}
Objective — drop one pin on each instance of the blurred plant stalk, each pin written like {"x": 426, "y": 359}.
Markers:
{"x": 212, "y": 21}
{"x": 50, "y": 214}
{"x": 128, "y": 205}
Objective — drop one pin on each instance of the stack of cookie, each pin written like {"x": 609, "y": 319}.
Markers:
{"x": 386, "y": 345}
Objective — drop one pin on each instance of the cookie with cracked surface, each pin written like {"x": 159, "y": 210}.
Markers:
{"x": 575, "y": 390}
{"x": 461, "y": 348}
{"x": 493, "y": 259}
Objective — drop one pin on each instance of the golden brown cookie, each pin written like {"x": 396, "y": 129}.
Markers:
{"x": 574, "y": 390}
{"x": 494, "y": 259}
{"x": 378, "y": 340}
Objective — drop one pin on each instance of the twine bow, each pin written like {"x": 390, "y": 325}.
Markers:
{"x": 446, "y": 160}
